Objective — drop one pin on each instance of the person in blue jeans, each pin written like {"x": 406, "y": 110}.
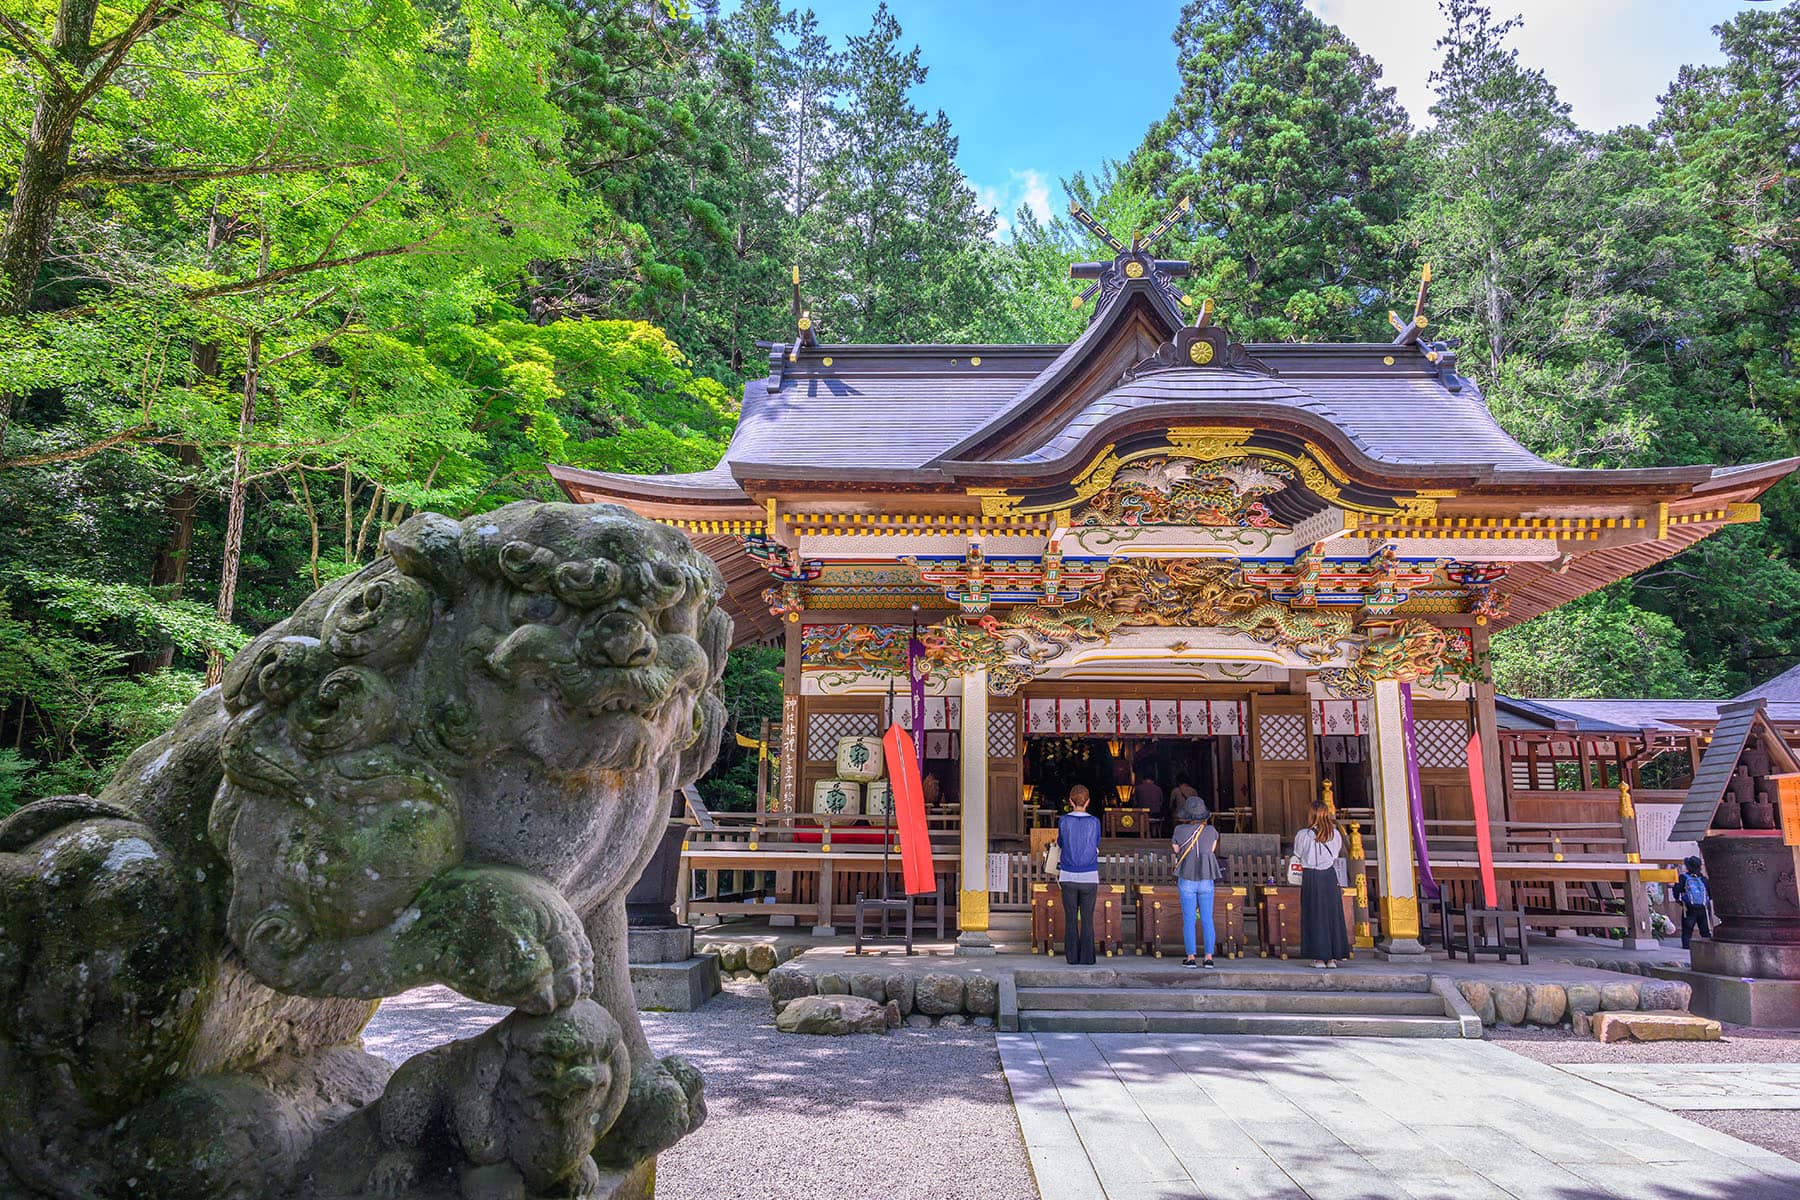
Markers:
{"x": 1196, "y": 871}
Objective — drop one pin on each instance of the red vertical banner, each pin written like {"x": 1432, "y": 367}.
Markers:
{"x": 916, "y": 869}
{"x": 1484, "y": 836}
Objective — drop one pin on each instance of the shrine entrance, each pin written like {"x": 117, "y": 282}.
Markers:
{"x": 1113, "y": 770}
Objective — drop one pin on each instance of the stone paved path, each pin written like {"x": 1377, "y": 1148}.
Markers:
{"x": 1699, "y": 1085}
{"x": 1154, "y": 1117}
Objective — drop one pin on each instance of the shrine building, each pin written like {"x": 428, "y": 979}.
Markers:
{"x": 1267, "y": 571}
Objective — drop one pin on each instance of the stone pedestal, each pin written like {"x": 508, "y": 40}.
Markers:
{"x": 666, "y": 974}
{"x": 659, "y": 944}
{"x": 677, "y": 986}
{"x": 1746, "y": 959}
{"x": 1402, "y": 950}
{"x": 1740, "y": 1000}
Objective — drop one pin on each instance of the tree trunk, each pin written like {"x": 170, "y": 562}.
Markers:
{"x": 25, "y": 235}
{"x": 240, "y": 490}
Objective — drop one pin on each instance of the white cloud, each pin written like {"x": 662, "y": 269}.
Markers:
{"x": 1028, "y": 188}
{"x": 1609, "y": 59}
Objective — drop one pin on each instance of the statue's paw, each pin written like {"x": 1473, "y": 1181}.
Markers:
{"x": 666, "y": 1103}
{"x": 506, "y": 937}
{"x": 394, "y": 1173}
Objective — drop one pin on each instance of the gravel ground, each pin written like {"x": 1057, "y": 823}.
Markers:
{"x": 1772, "y": 1129}
{"x": 1741, "y": 1045}
{"x": 920, "y": 1113}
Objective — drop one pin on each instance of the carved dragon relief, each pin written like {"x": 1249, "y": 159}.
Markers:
{"x": 1014, "y": 642}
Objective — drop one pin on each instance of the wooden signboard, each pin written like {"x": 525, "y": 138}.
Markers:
{"x": 1787, "y": 790}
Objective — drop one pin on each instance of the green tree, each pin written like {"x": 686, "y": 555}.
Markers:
{"x": 895, "y": 247}
{"x": 1290, "y": 148}
{"x": 1598, "y": 646}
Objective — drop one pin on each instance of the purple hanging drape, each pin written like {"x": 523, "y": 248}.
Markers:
{"x": 1416, "y": 794}
{"x": 915, "y": 678}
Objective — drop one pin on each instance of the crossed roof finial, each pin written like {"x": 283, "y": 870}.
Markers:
{"x": 1132, "y": 260}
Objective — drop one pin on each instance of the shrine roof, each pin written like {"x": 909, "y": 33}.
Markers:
{"x": 933, "y": 415}
{"x": 1622, "y": 716}
{"x": 1782, "y": 689}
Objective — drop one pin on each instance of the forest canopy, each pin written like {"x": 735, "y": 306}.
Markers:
{"x": 276, "y": 275}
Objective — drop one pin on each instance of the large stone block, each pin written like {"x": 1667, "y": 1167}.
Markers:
{"x": 785, "y": 984}
{"x": 760, "y": 957}
{"x": 1547, "y": 1004}
{"x": 939, "y": 993}
{"x": 1583, "y": 998}
{"x": 1510, "y": 1003}
{"x": 731, "y": 956}
{"x": 832, "y": 1015}
{"x": 901, "y": 989}
{"x": 869, "y": 986}
{"x": 675, "y": 987}
{"x": 1669, "y": 995}
{"x": 660, "y": 944}
{"x": 981, "y": 995}
{"x": 1619, "y": 997}
{"x": 1641, "y": 1026}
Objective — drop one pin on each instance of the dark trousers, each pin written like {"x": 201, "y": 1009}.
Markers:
{"x": 1693, "y": 916}
{"x": 1078, "y": 922}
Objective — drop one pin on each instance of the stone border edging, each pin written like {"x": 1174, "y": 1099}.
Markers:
{"x": 1457, "y": 1005}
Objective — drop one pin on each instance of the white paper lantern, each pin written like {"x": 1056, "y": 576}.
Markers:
{"x": 859, "y": 758}
{"x": 837, "y": 797}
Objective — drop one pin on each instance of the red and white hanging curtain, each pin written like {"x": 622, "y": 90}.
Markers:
{"x": 1341, "y": 718}
{"x": 1107, "y": 716}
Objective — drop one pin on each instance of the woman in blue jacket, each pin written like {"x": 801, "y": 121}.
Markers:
{"x": 1078, "y": 842}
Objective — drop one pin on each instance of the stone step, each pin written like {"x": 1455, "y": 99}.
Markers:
{"x": 1173, "y": 975}
{"x": 1229, "y": 1000}
{"x": 1259, "y": 1024}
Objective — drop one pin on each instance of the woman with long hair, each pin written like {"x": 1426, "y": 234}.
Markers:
{"x": 1323, "y": 937}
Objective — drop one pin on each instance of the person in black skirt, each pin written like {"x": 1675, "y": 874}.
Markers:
{"x": 1323, "y": 937}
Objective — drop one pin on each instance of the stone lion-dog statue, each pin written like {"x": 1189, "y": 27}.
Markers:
{"x": 449, "y": 768}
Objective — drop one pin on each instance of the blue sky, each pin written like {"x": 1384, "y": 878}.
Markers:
{"x": 1039, "y": 89}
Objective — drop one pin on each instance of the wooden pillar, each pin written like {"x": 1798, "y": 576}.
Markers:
{"x": 791, "y": 753}
{"x": 1399, "y": 902}
{"x": 1487, "y": 727}
{"x": 1637, "y": 904}
{"x": 972, "y": 903}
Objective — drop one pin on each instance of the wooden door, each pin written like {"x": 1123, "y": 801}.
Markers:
{"x": 1284, "y": 776}
{"x": 1006, "y": 773}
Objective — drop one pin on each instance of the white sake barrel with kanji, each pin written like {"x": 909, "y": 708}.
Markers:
{"x": 837, "y": 797}
{"x": 859, "y": 758}
{"x": 878, "y": 800}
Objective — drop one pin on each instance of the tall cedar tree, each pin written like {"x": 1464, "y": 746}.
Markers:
{"x": 1578, "y": 276}
{"x": 1289, "y": 146}
{"x": 895, "y": 247}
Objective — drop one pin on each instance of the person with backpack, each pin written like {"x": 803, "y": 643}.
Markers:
{"x": 1691, "y": 890}
{"x": 1196, "y": 872}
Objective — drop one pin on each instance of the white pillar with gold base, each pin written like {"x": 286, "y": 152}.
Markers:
{"x": 972, "y": 904}
{"x": 1399, "y": 903}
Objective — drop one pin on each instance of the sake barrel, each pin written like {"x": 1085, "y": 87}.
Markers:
{"x": 879, "y": 801}
{"x": 837, "y": 797}
{"x": 859, "y": 758}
